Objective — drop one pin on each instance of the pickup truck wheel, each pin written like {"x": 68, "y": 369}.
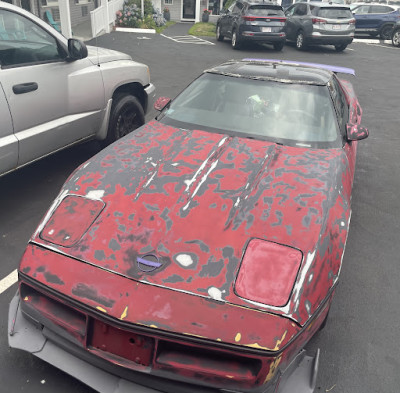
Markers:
{"x": 126, "y": 115}
{"x": 396, "y": 38}
{"x": 386, "y": 32}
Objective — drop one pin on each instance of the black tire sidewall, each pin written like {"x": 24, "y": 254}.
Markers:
{"x": 119, "y": 102}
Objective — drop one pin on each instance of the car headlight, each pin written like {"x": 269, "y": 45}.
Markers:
{"x": 71, "y": 219}
{"x": 268, "y": 272}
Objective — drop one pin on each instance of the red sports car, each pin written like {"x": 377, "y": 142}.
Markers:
{"x": 201, "y": 252}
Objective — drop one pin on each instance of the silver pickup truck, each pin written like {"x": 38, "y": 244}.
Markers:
{"x": 56, "y": 92}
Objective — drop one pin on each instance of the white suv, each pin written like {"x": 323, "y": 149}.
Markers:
{"x": 56, "y": 92}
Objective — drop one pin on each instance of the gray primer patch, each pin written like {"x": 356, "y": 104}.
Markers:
{"x": 162, "y": 248}
{"x": 114, "y": 245}
{"x": 203, "y": 246}
{"x": 100, "y": 255}
{"x": 173, "y": 279}
{"x": 164, "y": 216}
{"x": 212, "y": 269}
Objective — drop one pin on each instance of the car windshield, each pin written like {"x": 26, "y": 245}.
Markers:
{"x": 264, "y": 10}
{"x": 333, "y": 13}
{"x": 288, "y": 113}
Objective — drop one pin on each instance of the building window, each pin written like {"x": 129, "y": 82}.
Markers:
{"x": 84, "y": 10}
{"x": 168, "y": 2}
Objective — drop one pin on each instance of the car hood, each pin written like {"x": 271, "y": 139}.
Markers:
{"x": 102, "y": 55}
{"x": 192, "y": 200}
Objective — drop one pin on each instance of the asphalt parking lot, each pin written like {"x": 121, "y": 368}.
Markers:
{"x": 359, "y": 346}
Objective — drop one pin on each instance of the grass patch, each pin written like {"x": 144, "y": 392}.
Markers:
{"x": 203, "y": 29}
{"x": 162, "y": 28}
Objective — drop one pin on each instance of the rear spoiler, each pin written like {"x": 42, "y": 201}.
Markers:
{"x": 335, "y": 69}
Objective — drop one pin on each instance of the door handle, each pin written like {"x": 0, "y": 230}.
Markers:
{"x": 25, "y": 87}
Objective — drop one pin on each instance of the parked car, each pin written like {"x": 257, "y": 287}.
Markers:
{"x": 56, "y": 92}
{"x": 319, "y": 23}
{"x": 396, "y": 34}
{"x": 201, "y": 252}
{"x": 376, "y": 19}
{"x": 248, "y": 21}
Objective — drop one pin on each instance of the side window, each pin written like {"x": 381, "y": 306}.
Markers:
{"x": 301, "y": 9}
{"x": 23, "y": 42}
{"x": 290, "y": 11}
{"x": 363, "y": 9}
{"x": 237, "y": 8}
{"x": 340, "y": 104}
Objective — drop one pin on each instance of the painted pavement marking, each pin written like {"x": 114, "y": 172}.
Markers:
{"x": 8, "y": 281}
{"x": 188, "y": 39}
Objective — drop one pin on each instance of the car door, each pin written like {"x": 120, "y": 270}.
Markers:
{"x": 361, "y": 14}
{"x": 53, "y": 102}
{"x": 234, "y": 17}
{"x": 8, "y": 141}
{"x": 225, "y": 20}
{"x": 291, "y": 22}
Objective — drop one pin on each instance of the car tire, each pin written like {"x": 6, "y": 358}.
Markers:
{"x": 127, "y": 114}
{"x": 396, "y": 38}
{"x": 279, "y": 46}
{"x": 220, "y": 37}
{"x": 386, "y": 32}
{"x": 236, "y": 44}
{"x": 300, "y": 40}
{"x": 340, "y": 48}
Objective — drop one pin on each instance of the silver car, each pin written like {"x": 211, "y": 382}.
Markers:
{"x": 56, "y": 92}
{"x": 320, "y": 23}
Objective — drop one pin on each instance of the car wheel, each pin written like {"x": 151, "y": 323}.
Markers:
{"x": 396, "y": 38}
{"x": 300, "y": 40}
{"x": 279, "y": 46}
{"x": 126, "y": 115}
{"x": 220, "y": 37}
{"x": 341, "y": 47}
{"x": 386, "y": 32}
{"x": 236, "y": 44}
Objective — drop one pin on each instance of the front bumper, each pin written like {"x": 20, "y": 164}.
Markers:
{"x": 299, "y": 376}
{"x": 150, "y": 91}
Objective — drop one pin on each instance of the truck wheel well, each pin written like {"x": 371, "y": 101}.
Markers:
{"x": 135, "y": 89}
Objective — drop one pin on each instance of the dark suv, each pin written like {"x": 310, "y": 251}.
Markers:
{"x": 253, "y": 21}
{"x": 375, "y": 19}
{"x": 320, "y": 23}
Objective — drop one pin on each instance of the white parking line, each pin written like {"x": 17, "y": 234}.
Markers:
{"x": 188, "y": 39}
{"x": 8, "y": 281}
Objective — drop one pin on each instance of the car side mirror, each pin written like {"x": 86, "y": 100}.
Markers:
{"x": 76, "y": 50}
{"x": 355, "y": 132}
{"x": 161, "y": 103}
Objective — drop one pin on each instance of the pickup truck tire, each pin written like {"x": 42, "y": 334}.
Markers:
{"x": 126, "y": 115}
{"x": 386, "y": 32}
